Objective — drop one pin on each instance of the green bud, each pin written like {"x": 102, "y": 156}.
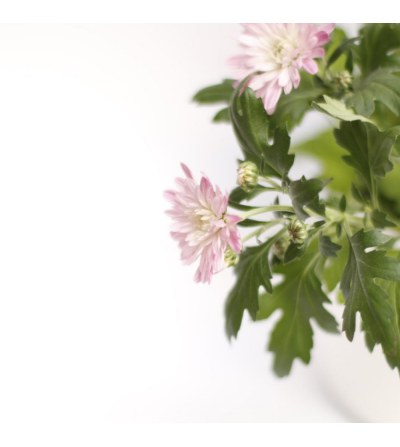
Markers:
{"x": 280, "y": 247}
{"x": 344, "y": 80}
{"x": 247, "y": 176}
{"x": 231, "y": 258}
{"x": 297, "y": 231}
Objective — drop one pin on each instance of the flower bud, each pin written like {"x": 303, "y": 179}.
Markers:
{"x": 297, "y": 231}
{"x": 280, "y": 247}
{"x": 247, "y": 176}
{"x": 344, "y": 80}
{"x": 231, "y": 258}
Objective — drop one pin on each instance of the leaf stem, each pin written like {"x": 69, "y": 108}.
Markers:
{"x": 266, "y": 209}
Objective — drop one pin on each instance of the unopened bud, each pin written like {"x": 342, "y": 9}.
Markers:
{"x": 280, "y": 247}
{"x": 231, "y": 258}
{"x": 297, "y": 231}
{"x": 344, "y": 79}
{"x": 247, "y": 176}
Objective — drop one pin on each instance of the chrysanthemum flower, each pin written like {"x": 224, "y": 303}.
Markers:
{"x": 201, "y": 225}
{"x": 278, "y": 51}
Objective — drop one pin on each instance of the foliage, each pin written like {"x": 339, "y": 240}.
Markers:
{"x": 301, "y": 298}
{"x": 354, "y": 202}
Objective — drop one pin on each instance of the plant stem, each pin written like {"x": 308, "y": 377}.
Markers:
{"x": 271, "y": 182}
{"x": 347, "y": 227}
{"x": 373, "y": 194}
{"x": 266, "y": 209}
{"x": 262, "y": 229}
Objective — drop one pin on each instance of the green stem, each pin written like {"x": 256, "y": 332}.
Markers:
{"x": 264, "y": 228}
{"x": 347, "y": 227}
{"x": 266, "y": 209}
{"x": 271, "y": 182}
{"x": 373, "y": 193}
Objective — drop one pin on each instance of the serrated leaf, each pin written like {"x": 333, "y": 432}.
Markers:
{"x": 291, "y": 108}
{"x": 328, "y": 248}
{"x": 379, "y": 220}
{"x": 250, "y": 124}
{"x": 249, "y": 120}
{"x": 252, "y": 272}
{"x": 303, "y": 193}
{"x": 215, "y": 93}
{"x": 368, "y": 147}
{"x": 362, "y": 294}
{"x": 301, "y": 298}
{"x": 382, "y": 86}
{"x": 334, "y": 267}
{"x": 277, "y": 155}
{"x": 369, "y": 341}
{"x": 338, "y": 109}
{"x": 296, "y": 251}
{"x": 393, "y": 291}
{"x": 356, "y": 193}
{"x": 376, "y": 45}
{"x": 222, "y": 116}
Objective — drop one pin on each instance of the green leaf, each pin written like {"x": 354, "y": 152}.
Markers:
{"x": 252, "y": 272}
{"x": 379, "y": 220}
{"x": 216, "y": 93}
{"x": 369, "y": 341}
{"x": 343, "y": 204}
{"x": 250, "y": 124}
{"x": 338, "y": 110}
{"x": 277, "y": 155}
{"x": 291, "y": 108}
{"x": 382, "y": 86}
{"x": 369, "y": 149}
{"x": 238, "y": 195}
{"x": 222, "y": 116}
{"x": 356, "y": 193}
{"x": 303, "y": 193}
{"x": 249, "y": 120}
{"x": 239, "y": 206}
{"x": 323, "y": 147}
{"x": 389, "y": 192}
{"x": 376, "y": 45}
{"x": 251, "y": 223}
{"x": 301, "y": 298}
{"x": 338, "y": 230}
{"x": 393, "y": 291}
{"x": 334, "y": 267}
{"x": 361, "y": 292}
{"x": 346, "y": 47}
{"x": 296, "y": 251}
{"x": 338, "y": 52}
{"x": 328, "y": 248}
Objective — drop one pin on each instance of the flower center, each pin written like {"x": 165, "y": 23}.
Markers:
{"x": 285, "y": 52}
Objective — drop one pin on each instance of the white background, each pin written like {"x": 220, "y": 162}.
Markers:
{"x": 98, "y": 320}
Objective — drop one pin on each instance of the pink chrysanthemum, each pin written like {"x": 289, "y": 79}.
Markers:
{"x": 278, "y": 51}
{"x": 201, "y": 225}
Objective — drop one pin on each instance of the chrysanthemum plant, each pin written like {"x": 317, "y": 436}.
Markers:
{"x": 344, "y": 245}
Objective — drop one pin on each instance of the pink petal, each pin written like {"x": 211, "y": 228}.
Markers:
{"x": 328, "y": 27}
{"x": 310, "y": 66}
{"x": 187, "y": 171}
